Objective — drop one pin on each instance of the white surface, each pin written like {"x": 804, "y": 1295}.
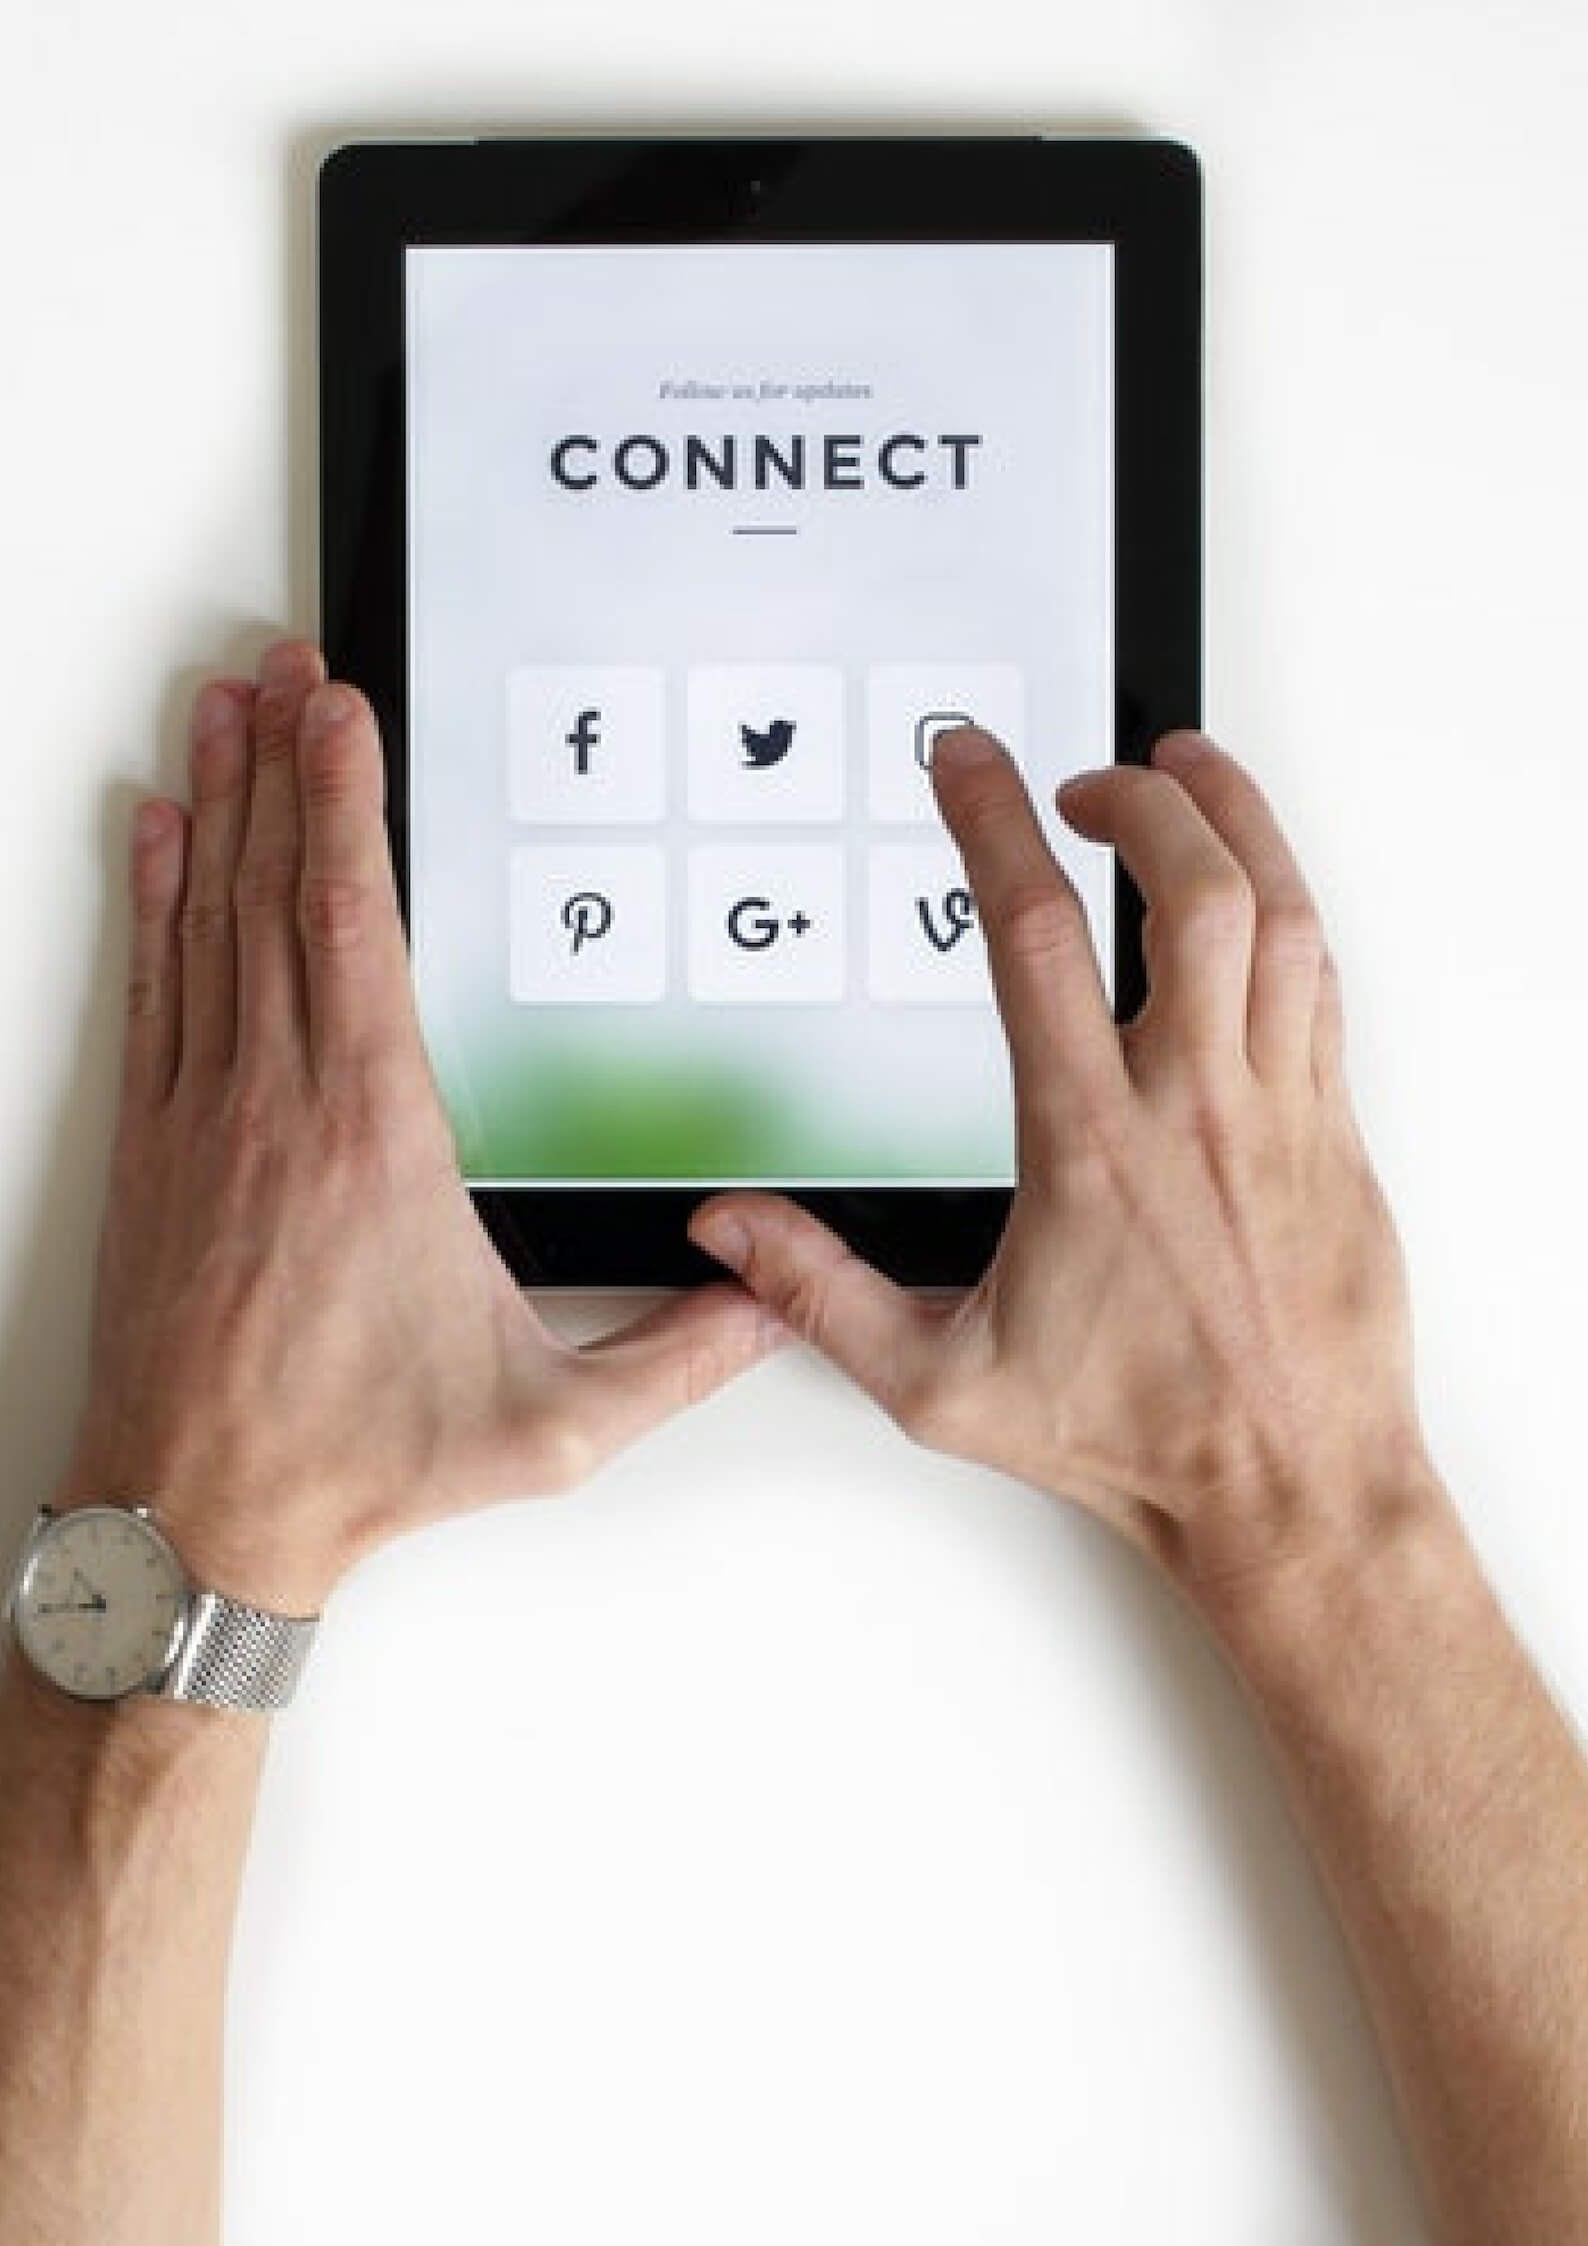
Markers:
{"x": 793, "y": 1838}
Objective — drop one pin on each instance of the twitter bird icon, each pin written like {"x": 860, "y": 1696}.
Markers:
{"x": 762, "y": 750}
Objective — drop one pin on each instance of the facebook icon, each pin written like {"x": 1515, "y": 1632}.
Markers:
{"x": 585, "y": 736}
{"x": 585, "y": 747}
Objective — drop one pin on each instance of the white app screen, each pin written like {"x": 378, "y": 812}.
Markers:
{"x": 706, "y": 546}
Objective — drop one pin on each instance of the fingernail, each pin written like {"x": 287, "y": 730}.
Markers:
{"x": 961, "y": 746}
{"x": 726, "y": 1239}
{"x": 285, "y": 663}
{"x": 1076, "y": 780}
{"x": 152, "y": 824}
{"x": 328, "y": 706}
{"x": 1181, "y": 748}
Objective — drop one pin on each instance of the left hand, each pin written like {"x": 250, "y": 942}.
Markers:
{"x": 304, "y": 1341}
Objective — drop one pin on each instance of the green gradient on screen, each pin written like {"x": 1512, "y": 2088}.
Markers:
{"x": 659, "y": 629}
{"x": 589, "y": 1116}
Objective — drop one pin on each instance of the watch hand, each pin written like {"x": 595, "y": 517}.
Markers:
{"x": 78, "y": 1603}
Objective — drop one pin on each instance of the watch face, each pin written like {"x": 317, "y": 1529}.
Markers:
{"x": 100, "y": 1603}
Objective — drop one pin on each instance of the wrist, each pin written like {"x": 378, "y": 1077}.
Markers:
{"x": 1362, "y": 1563}
{"x": 105, "y": 1608}
{"x": 272, "y": 1550}
{"x": 124, "y": 1756}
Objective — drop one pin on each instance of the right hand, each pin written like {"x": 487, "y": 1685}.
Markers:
{"x": 1196, "y": 1322}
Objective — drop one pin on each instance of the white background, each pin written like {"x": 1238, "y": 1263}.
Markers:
{"x": 793, "y": 1838}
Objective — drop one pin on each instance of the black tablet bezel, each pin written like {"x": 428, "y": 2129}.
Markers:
{"x": 1142, "y": 196}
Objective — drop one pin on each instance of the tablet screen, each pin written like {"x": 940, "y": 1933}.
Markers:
{"x": 706, "y": 544}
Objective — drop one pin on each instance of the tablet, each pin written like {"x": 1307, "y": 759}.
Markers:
{"x": 675, "y": 496}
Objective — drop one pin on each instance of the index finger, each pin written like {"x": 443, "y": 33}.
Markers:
{"x": 359, "y": 986}
{"x": 1063, "y": 1045}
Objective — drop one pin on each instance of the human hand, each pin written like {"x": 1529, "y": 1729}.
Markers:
{"x": 304, "y": 1341}
{"x": 1196, "y": 1322}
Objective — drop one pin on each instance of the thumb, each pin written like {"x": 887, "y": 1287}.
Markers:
{"x": 807, "y": 1277}
{"x": 628, "y": 1382}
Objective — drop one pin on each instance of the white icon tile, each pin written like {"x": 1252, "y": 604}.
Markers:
{"x": 923, "y": 939}
{"x": 908, "y": 704}
{"x": 766, "y": 926}
{"x": 588, "y": 925}
{"x": 586, "y": 745}
{"x": 766, "y": 743}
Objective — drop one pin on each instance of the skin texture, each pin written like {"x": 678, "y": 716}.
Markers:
{"x": 1197, "y": 1317}
{"x": 287, "y": 1240}
{"x": 1196, "y": 1325}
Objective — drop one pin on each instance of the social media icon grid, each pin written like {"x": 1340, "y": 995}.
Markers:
{"x": 766, "y": 925}
{"x": 586, "y": 923}
{"x": 586, "y": 747}
{"x": 919, "y": 887}
{"x": 764, "y": 917}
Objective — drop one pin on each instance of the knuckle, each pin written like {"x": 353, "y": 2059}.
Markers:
{"x": 358, "y": 1142}
{"x": 800, "y": 1299}
{"x": 275, "y": 724}
{"x": 1289, "y": 929}
{"x": 1100, "y": 1141}
{"x": 266, "y": 879}
{"x": 384, "y": 1109}
{"x": 800, "y": 1294}
{"x": 344, "y": 1128}
{"x": 255, "y": 1126}
{"x": 1039, "y": 922}
{"x": 145, "y": 993}
{"x": 333, "y": 913}
{"x": 1215, "y": 1123}
{"x": 1214, "y": 909}
{"x": 204, "y": 922}
{"x": 1074, "y": 1146}
{"x": 563, "y": 1452}
{"x": 984, "y": 799}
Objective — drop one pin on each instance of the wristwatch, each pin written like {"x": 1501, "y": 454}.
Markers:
{"x": 103, "y": 1608}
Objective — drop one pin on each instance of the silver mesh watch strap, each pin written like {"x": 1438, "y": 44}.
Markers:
{"x": 239, "y": 1657}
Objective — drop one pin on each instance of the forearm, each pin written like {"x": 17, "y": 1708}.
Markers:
{"x": 1446, "y": 1802}
{"x": 122, "y": 1836}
